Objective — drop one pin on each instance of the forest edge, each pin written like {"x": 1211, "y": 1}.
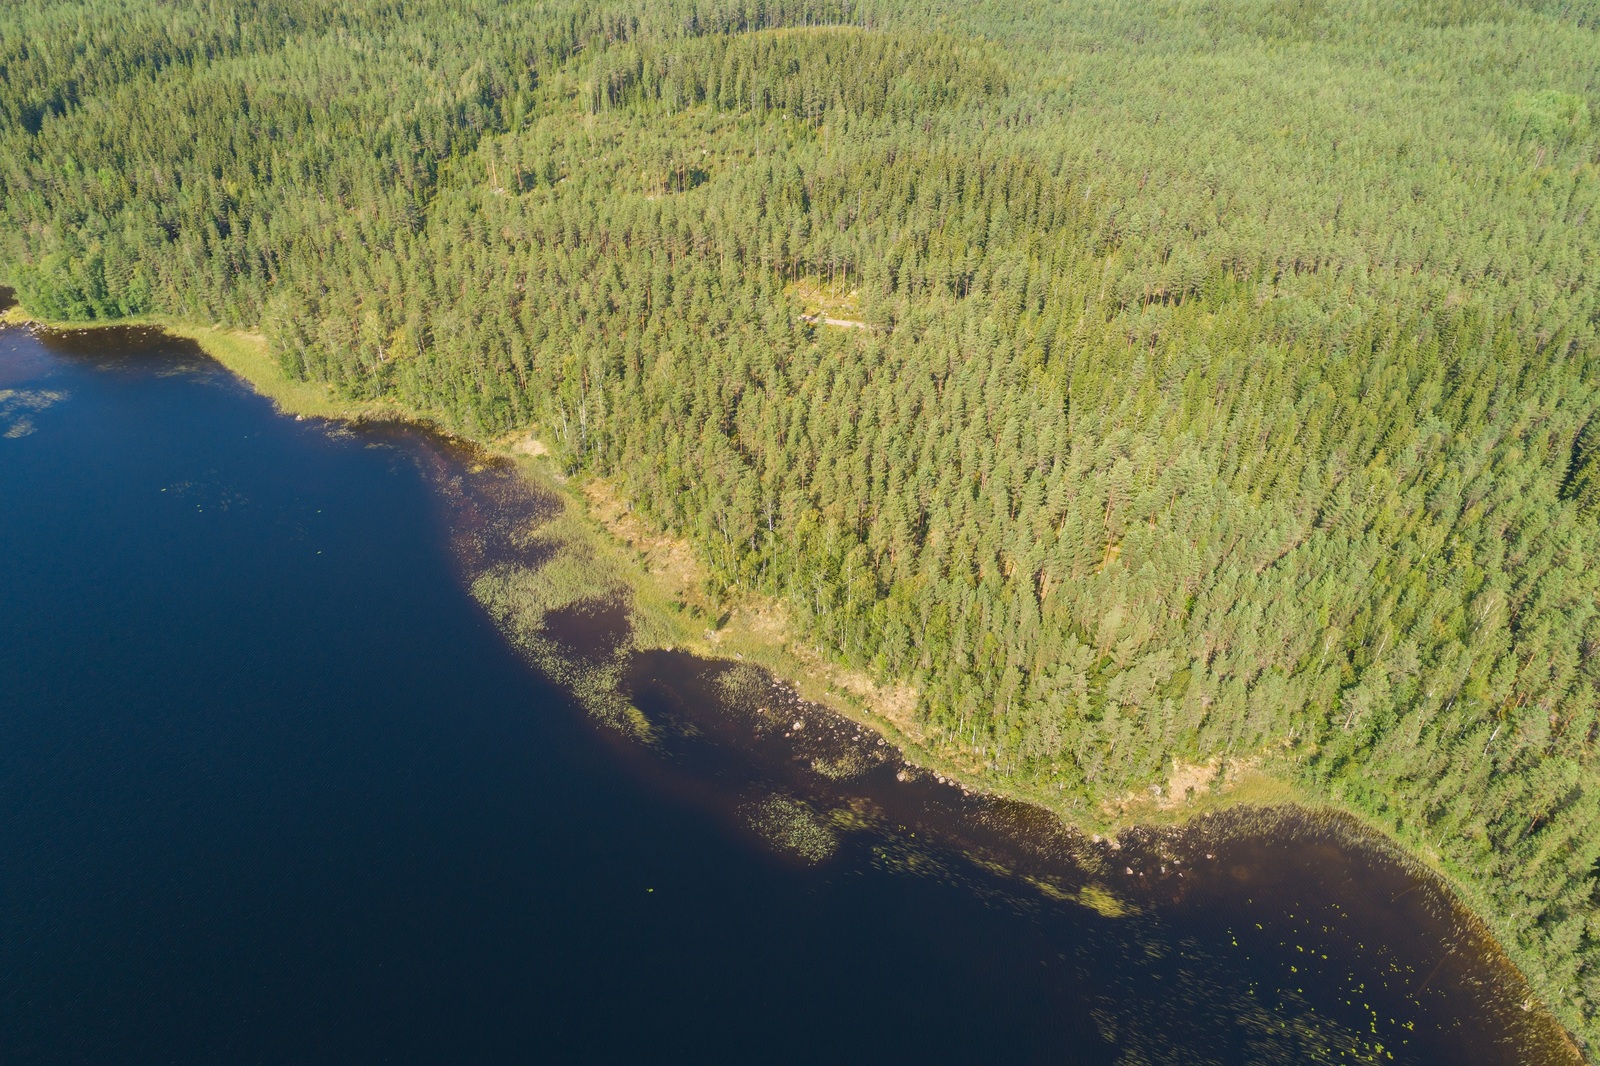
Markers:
{"x": 658, "y": 569}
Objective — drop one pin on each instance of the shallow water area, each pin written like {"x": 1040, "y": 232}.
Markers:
{"x": 277, "y": 789}
{"x": 1247, "y": 936}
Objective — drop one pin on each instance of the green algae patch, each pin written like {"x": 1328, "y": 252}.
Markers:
{"x": 1094, "y": 896}
{"x": 1103, "y": 901}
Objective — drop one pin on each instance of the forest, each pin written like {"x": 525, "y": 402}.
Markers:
{"x": 1211, "y": 380}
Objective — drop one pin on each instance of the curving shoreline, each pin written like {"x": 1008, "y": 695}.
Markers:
{"x": 660, "y": 625}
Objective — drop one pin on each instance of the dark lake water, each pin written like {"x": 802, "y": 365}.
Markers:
{"x": 274, "y": 788}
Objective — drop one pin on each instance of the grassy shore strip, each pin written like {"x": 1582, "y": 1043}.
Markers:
{"x": 247, "y": 357}
{"x": 670, "y": 608}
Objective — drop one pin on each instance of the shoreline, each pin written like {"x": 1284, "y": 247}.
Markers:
{"x": 730, "y": 629}
{"x": 654, "y": 573}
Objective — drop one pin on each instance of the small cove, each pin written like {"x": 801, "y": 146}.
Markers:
{"x": 280, "y": 790}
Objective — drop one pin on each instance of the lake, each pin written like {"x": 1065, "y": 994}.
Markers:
{"x": 277, "y": 789}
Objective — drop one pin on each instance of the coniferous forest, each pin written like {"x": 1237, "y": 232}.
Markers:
{"x": 1142, "y": 380}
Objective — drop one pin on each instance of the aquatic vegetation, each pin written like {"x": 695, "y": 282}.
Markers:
{"x": 842, "y": 767}
{"x": 744, "y": 685}
{"x": 521, "y": 600}
{"x": 1103, "y": 901}
{"x": 16, "y": 405}
{"x": 792, "y": 826}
